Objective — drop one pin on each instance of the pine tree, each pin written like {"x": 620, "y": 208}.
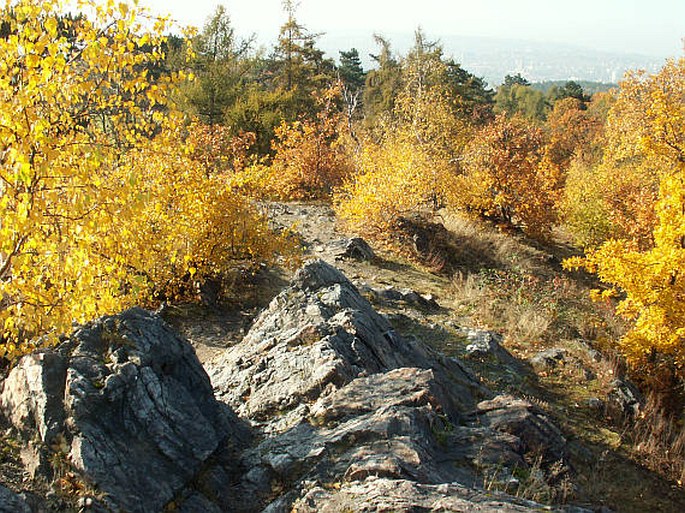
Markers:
{"x": 221, "y": 67}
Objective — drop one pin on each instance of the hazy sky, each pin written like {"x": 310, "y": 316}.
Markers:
{"x": 652, "y": 27}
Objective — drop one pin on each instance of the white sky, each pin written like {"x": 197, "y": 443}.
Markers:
{"x": 652, "y": 27}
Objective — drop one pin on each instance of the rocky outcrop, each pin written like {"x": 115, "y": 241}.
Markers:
{"x": 345, "y": 403}
{"x": 315, "y": 337}
{"x": 389, "y": 425}
{"x": 124, "y": 403}
{"x": 339, "y": 413}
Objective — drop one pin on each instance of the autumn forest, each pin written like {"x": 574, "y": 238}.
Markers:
{"x": 134, "y": 165}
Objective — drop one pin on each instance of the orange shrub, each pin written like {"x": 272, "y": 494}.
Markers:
{"x": 310, "y": 158}
{"x": 506, "y": 177}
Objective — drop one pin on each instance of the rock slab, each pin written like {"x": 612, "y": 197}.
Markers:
{"x": 124, "y": 402}
{"x": 315, "y": 337}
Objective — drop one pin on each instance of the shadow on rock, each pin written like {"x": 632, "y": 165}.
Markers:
{"x": 342, "y": 399}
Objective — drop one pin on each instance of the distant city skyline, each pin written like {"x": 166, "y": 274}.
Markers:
{"x": 655, "y": 28}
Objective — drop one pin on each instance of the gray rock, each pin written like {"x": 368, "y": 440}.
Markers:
{"x": 624, "y": 400}
{"x": 355, "y": 248}
{"x": 527, "y": 422}
{"x": 198, "y": 503}
{"x": 486, "y": 345}
{"x": 482, "y": 343}
{"x": 407, "y": 296}
{"x": 390, "y": 425}
{"x": 348, "y": 415}
{"x": 11, "y": 502}
{"x": 315, "y": 337}
{"x": 596, "y": 404}
{"x": 399, "y": 387}
{"x": 126, "y": 403}
{"x": 399, "y": 495}
{"x": 548, "y": 359}
{"x": 340, "y": 398}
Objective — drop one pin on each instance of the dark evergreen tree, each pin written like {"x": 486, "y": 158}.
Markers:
{"x": 570, "y": 89}
{"x": 298, "y": 67}
{"x": 511, "y": 80}
{"x": 383, "y": 83}
{"x": 516, "y": 96}
{"x": 472, "y": 93}
{"x": 221, "y": 67}
{"x": 351, "y": 71}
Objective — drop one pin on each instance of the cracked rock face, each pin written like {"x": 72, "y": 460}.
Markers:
{"x": 315, "y": 337}
{"x": 345, "y": 414}
{"x": 345, "y": 403}
{"x": 126, "y": 403}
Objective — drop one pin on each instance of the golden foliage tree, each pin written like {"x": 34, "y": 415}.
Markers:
{"x": 603, "y": 196}
{"x": 408, "y": 162}
{"x": 394, "y": 178}
{"x": 647, "y": 130}
{"x": 101, "y": 204}
{"x": 612, "y": 192}
{"x": 218, "y": 150}
{"x": 506, "y": 177}
{"x": 575, "y": 132}
{"x": 310, "y": 160}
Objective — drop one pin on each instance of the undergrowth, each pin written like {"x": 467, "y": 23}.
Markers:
{"x": 523, "y": 294}
{"x": 503, "y": 282}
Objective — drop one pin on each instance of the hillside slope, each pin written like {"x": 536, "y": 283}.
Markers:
{"x": 456, "y": 282}
{"x": 481, "y": 384}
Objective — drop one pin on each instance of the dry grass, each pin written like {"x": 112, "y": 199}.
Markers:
{"x": 658, "y": 439}
{"x": 522, "y": 292}
{"x": 467, "y": 291}
{"x": 506, "y": 284}
{"x": 527, "y": 323}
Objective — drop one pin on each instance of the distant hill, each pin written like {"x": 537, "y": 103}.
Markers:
{"x": 492, "y": 58}
{"x": 589, "y": 87}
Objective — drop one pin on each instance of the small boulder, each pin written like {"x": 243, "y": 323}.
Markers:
{"x": 522, "y": 419}
{"x": 355, "y": 248}
{"x": 548, "y": 359}
{"x": 407, "y": 296}
{"x": 482, "y": 343}
{"x": 624, "y": 399}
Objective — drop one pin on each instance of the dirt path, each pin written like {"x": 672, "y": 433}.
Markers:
{"x": 213, "y": 328}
